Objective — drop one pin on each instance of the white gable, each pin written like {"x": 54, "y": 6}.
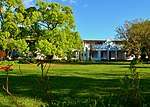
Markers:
{"x": 108, "y": 45}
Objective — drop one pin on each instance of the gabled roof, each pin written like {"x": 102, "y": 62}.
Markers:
{"x": 101, "y": 41}
{"x": 108, "y": 44}
{"x": 94, "y": 41}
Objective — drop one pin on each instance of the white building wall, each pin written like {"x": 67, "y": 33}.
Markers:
{"x": 105, "y": 51}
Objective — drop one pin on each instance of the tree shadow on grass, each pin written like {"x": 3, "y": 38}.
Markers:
{"x": 65, "y": 87}
{"x": 95, "y": 62}
{"x": 145, "y": 85}
{"x": 146, "y": 67}
{"x": 60, "y": 86}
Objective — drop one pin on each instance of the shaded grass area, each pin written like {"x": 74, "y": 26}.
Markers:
{"x": 60, "y": 86}
{"x": 69, "y": 82}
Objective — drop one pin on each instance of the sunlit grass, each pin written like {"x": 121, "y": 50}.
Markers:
{"x": 68, "y": 81}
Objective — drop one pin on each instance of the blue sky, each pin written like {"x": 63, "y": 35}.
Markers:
{"x": 98, "y": 19}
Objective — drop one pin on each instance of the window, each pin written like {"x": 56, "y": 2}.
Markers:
{"x": 95, "y": 54}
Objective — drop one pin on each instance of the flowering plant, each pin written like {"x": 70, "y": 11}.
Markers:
{"x": 8, "y": 67}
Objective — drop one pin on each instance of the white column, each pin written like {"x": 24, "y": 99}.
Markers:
{"x": 125, "y": 56}
{"x": 78, "y": 55}
{"x": 116, "y": 55}
{"x": 99, "y": 54}
{"x": 87, "y": 53}
{"x": 100, "y": 58}
{"x": 107, "y": 54}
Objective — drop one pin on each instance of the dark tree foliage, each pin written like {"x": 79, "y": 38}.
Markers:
{"x": 136, "y": 36}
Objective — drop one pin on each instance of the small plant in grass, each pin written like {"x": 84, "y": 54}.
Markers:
{"x": 45, "y": 80}
{"x": 130, "y": 94}
{"x": 43, "y": 64}
{"x": 7, "y": 69}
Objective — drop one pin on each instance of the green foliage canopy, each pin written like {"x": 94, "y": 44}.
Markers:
{"x": 54, "y": 15}
{"x": 136, "y": 36}
{"x": 59, "y": 42}
{"x": 11, "y": 18}
{"x": 58, "y": 29}
{"x": 49, "y": 24}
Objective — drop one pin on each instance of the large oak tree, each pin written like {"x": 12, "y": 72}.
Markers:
{"x": 50, "y": 25}
{"x": 58, "y": 29}
{"x": 11, "y": 16}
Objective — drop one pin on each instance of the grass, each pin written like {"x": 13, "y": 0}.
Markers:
{"x": 68, "y": 82}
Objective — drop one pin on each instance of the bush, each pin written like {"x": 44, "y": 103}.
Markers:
{"x": 73, "y": 60}
{"x": 27, "y": 60}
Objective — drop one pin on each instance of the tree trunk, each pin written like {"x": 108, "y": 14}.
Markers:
{"x": 7, "y": 81}
{"x": 2, "y": 54}
{"x": 148, "y": 56}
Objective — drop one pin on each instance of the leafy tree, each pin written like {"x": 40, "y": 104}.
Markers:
{"x": 136, "y": 36}
{"x": 10, "y": 20}
{"x": 57, "y": 23}
{"x": 15, "y": 22}
{"x": 54, "y": 15}
{"x": 49, "y": 24}
{"x": 59, "y": 42}
{"x": 29, "y": 28}
{"x": 20, "y": 44}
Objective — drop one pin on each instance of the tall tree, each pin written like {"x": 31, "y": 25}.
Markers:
{"x": 59, "y": 42}
{"x": 10, "y": 20}
{"x": 15, "y": 21}
{"x": 29, "y": 28}
{"x": 54, "y": 15}
{"x": 8, "y": 17}
{"x": 58, "y": 29}
{"x": 48, "y": 23}
{"x": 136, "y": 36}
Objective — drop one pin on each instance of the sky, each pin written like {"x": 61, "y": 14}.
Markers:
{"x": 98, "y": 19}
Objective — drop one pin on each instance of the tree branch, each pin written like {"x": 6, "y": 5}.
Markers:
{"x": 54, "y": 26}
{"x": 11, "y": 96}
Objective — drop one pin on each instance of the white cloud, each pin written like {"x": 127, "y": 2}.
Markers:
{"x": 70, "y": 1}
{"x": 73, "y": 1}
{"x": 28, "y": 2}
{"x": 64, "y": 0}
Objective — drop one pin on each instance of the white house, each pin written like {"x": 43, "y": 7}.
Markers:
{"x": 103, "y": 50}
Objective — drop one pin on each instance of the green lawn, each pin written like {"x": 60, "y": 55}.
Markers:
{"x": 68, "y": 82}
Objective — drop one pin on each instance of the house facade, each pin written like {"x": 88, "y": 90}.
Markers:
{"x": 103, "y": 50}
